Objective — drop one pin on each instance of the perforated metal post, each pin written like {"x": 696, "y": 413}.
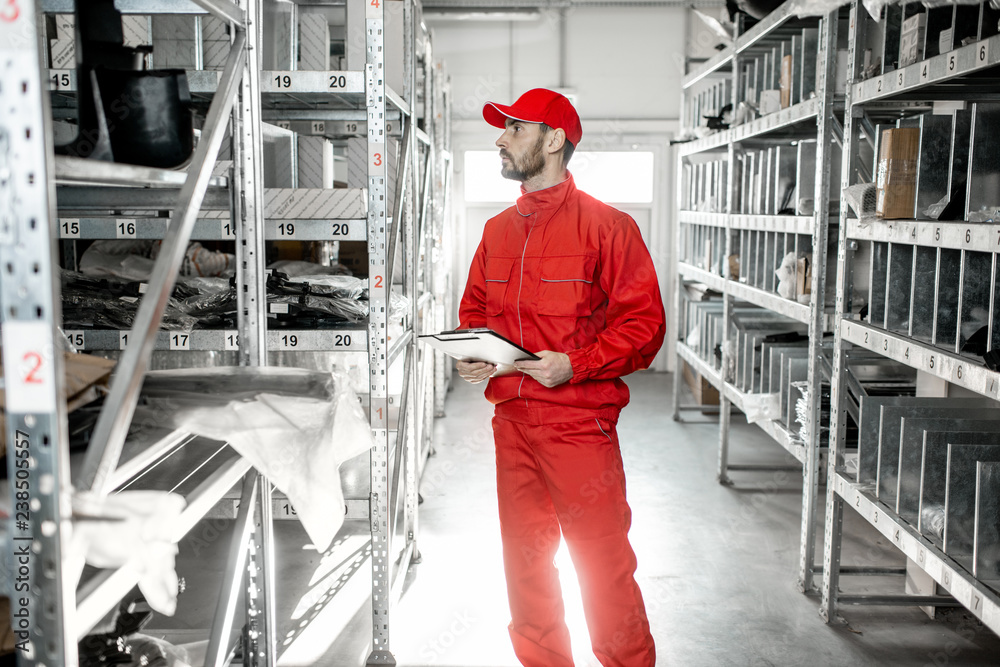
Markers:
{"x": 260, "y": 632}
{"x": 727, "y": 313}
{"x": 42, "y": 600}
{"x": 379, "y": 283}
{"x": 833, "y": 525}
{"x": 817, "y": 320}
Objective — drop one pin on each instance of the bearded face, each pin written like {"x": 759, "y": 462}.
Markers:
{"x": 523, "y": 165}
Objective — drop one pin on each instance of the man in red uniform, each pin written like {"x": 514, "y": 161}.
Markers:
{"x": 570, "y": 278}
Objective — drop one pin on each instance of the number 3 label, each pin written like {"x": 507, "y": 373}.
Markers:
{"x": 10, "y": 12}
{"x": 31, "y": 388}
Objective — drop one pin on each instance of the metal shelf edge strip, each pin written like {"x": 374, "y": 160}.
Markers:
{"x": 945, "y": 365}
{"x": 957, "y": 235}
{"x": 775, "y": 121}
{"x": 974, "y": 595}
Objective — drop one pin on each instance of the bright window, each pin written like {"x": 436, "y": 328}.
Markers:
{"x": 624, "y": 177}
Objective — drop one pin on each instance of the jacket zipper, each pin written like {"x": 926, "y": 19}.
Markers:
{"x": 520, "y": 285}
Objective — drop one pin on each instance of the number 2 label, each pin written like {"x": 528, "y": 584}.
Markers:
{"x": 31, "y": 388}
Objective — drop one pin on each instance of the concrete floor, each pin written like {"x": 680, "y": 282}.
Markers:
{"x": 717, "y": 565}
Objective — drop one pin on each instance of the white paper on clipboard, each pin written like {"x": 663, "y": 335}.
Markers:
{"x": 478, "y": 345}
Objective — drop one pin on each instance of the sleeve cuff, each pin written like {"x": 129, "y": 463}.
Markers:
{"x": 578, "y": 360}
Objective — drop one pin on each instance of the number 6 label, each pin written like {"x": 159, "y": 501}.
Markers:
{"x": 31, "y": 387}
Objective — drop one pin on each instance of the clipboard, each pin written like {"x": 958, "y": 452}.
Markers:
{"x": 478, "y": 345}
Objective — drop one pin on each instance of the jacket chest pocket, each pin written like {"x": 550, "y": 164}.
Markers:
{"x": 565, "y": 286}
{"x": 498, "y": 272}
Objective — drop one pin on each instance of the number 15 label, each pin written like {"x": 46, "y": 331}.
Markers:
{"x": 31, "y": 387}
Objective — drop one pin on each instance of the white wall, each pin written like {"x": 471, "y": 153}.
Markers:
{"x": 610, "y": 55}
{"x": 623, "y": 67}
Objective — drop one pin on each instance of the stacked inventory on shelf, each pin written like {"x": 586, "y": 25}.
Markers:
{"x": 271, "y": 187}
{"x": 918, "y": 287}
{"x": 753, "y": 229}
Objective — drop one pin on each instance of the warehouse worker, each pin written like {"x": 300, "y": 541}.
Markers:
{"x": 570, "y": 279}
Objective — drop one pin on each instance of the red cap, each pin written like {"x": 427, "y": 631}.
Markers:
{"x": 538, "y": 106}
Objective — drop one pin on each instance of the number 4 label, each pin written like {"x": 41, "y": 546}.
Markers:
{"x": 31, "y": 387}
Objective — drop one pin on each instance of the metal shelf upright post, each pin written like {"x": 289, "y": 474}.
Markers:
{"x": 733, "y": 233}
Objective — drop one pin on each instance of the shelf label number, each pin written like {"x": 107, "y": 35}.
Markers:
{"x": 31, "y": 387}
{"x": 342, "y": 340}
{"x": 123, "y": 340}
{"x": 283, "y": 81}
{"x": 179, "y": 341}
{"x": 351, "y": 128}
{"x": 899, "y": 79}
{"x": 289, "y": 341}
{"x": 232, "y": 340}
{"x": 340, "y": 229}
{"x": 10, "y": 11}
{"x": 318, "y": 127}
{"x": 228, "y": 230}
{"x": 286, "y": 509}
{"x": 70, "y": 228}
{"x": 376, "y": 159}
{"x": 338, "y": 81}
{"x": 952, "y": 62}
{"x": 377, "y": 282}
{"x": 286, "y": 229}
{"x": 924, "y": 71}
{"x": 983, "y": 53}
{"x": 76, "y": 339}
{"x": 62, "y": 80}
{"x": 125, "y": 229}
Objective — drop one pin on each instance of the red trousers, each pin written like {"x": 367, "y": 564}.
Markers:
{"x": 568, "y": 479}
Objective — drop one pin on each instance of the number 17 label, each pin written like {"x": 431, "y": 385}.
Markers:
{"x": 31, "y": 387}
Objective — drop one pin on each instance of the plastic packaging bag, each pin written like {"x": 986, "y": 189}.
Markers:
{"x": 804, "y": 8}
{"x": 134, "y": 260}
{"x": 861, "y": 198}
{"x": 295, "y": 426}
{"x": 759, "y": 407}
{"x": 932, "y": 519}
{"x": 134, "y": 527}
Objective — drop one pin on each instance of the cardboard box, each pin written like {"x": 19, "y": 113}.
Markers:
{"x": 896, "y": 184}
{"x": 770, "y": 101}
{"x": 803, "y": 277}
{"x": 704, "y": 393}
{"x": 62, "y": 54}
{"x": 65, "y": 25}
{"x": 911, "y": 39}
{"x": 314, "y": 42}
{"x": 785, "y": 85}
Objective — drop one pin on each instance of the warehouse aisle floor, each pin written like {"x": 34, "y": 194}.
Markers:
{"x": 716, "y": 564}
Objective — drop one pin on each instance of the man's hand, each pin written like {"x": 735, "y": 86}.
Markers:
{"x": 475, "y": 371}
{"x": 552, "y": 370}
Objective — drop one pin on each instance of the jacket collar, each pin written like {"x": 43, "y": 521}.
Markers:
{"x": 545, "y": 199}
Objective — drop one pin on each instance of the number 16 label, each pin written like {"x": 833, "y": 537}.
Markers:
{"x": 31, "y": 387}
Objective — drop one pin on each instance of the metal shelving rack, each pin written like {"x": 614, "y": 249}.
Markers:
{"x": 709, "y": 170}
{"x": 204, "y": 206}
{"x": 955, "y": 74}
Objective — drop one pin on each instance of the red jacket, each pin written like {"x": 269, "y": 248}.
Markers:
{"x": 562, "y": 271}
